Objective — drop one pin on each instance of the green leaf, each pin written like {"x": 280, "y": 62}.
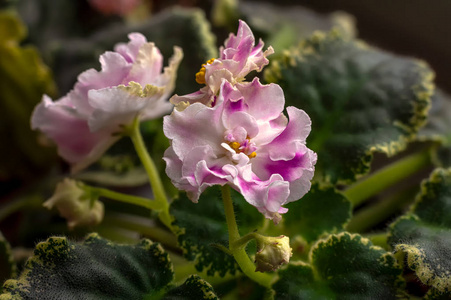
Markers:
{"x": 434, "y": 294}
{"x": 342, "y": 266}
{"x": 186, "y": 28}
{"x": 8, "y": 266}
{"x": 203, "y": 224}
{"x": 438, "y": 128}
{"x": 194, "y": 288}
{"x": 95, "y": 269}
{"x": 424, "y": 233}
{"x": 24, "y": 78}
{"x": 322, "y": 210}
{"x": 361, "y": 100}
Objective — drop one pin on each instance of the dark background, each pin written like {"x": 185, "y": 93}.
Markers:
{"x": 418, "y": 28}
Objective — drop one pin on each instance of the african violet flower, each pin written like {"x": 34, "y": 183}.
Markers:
{"x": 245, "y": 141}
{"x": 238, "y": 57}
{"x": 85, "y": 122}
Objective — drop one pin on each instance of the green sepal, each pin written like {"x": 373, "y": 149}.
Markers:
{"x": 341, "y": 266}
{"x": 323, "y": 210}
{"x": 202, "y": 226}
{"x": 361, "y": 100}
{"x": 8, "y": 267}
{"x": 424, "y": 233}
{"x": 95, "y": 269}
{"x": 24, "y": 79}
{"x": 194, "y": 288}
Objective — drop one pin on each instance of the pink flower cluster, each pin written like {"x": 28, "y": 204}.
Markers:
{"x": 234, "y": 132}
{"x": 86, "y": 122}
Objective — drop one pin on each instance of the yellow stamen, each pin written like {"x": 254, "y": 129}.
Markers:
{"x": 235, "y": 145}
{"x": 200, "y": 76}
{"x": 252, "y": 155}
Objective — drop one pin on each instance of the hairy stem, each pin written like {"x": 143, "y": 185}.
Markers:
{"x": 152, "y": 172}
{"x": 239, "y": 252}
{"x": 387, "y": 177}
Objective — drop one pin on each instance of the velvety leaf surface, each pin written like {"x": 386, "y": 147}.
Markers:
{"x": 95, "y": 269}
{"x": 360, "y": 100}
{"x": 320, "y": 211}
{"x": 194, "y": 288}
{"x": 438, "y": 128}
{"x": 342, "y": 266}
{"x": 24, "y": 78}
{"x": 203, "y": 224}
{"x": 424, "y": 234}
{"x": 7, "y": 264}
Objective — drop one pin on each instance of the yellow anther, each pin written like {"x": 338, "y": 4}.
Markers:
{"x": 200, "y": 76}
{"x": 235, "y": 145}
{"x": 252, "y": 155}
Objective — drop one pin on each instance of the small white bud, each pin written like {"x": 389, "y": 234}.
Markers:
{"x": 272, "y": 253}
{"x": 75, "y": 204}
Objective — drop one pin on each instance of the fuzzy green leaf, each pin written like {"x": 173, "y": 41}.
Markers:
{"x": 203, "y": 224}
{"x": 438, "y": 128}
{"x": 7, "y": 264}
{"x": 424, "y": 233}
{"x": 96, "y": 269}
{"x": 24, "y": 78}
{"x": 321, "y": 211}
{"x": 194, "y": 288}
{"x": 342, "y": 266}
{"x": 360, "y": 99}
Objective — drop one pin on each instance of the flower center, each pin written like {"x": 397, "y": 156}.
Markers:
{"x": 246, "y": 147}
{"x": 200, "y": 76}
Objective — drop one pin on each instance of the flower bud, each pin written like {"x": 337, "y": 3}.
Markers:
{"x": 75, "y": 204}
{"x": 272, "y": 253}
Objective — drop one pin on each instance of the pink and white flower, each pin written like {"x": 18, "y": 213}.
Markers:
{"x": 131, "y": 83}
{"x": 238, "y": 57}
{"x": 243, "y": 140}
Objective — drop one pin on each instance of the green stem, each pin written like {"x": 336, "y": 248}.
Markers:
{"x": 152, "y": 172}
{"x": 373, "y": 214}
{"x": 136, "y": 224}
{"x": 379, "y": 239}
{"x": 19, "y": 204}
{"x": 239, "y": 253}
{"x": 386, "y": 177}
{"x": 140, "y": 201}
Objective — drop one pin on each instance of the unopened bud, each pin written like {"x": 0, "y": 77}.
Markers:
{"x": 75, "y": 204}
{"x": 272, "y": 253}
